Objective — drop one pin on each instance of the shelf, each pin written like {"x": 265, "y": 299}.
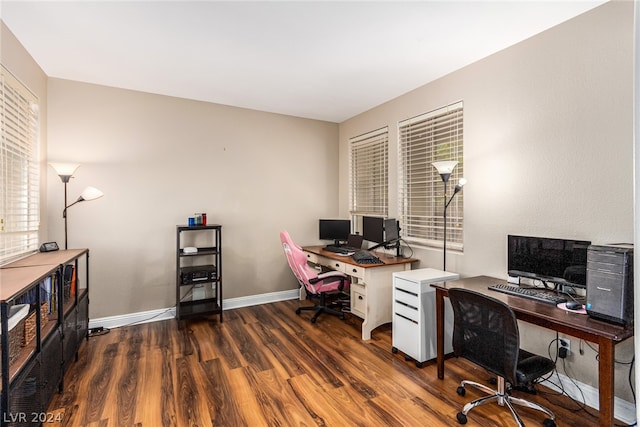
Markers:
{"x": 201, "y": 282}
{"x": 201, "y": 251}
{"x": 199, "y": 307}
{"x": 38, "y": 366}
{"x": 199, "y": 287}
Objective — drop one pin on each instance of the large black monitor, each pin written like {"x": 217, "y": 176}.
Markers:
{"x": 337, "y": 230}
{"x": 373, "y": 229}
{"x": 552, "y": 260}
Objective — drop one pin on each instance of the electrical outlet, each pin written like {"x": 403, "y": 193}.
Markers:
{"x": 566, "y": 344}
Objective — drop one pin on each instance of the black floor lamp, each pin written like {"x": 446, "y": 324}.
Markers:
{"x": 65, "y": 171}
{"x": 445, "y": 169}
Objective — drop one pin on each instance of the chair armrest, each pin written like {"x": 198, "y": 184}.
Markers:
{"x": 331, "y": 275}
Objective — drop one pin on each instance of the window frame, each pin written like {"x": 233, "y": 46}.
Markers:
{"x": 368, "y": 176}
{"x": 19, "y": 168}
{"x": 437, "y": 135}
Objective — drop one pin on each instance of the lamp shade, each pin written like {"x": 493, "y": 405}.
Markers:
{"x": 445, "y": 167}
{"x": 65, "y": 170}
{"x": 90, "y": 193}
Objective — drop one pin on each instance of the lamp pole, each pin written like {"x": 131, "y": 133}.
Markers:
{"x": 445, "y": 168}
{"x": 444, "y": 215}
{"x": 64, "y": 214}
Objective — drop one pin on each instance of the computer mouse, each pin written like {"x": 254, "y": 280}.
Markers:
{"x": 573, "y": 305}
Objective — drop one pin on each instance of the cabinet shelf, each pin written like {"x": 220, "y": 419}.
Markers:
{"x": 201, "y": 251}
{"x": 36, "y": 370}
{"x": 199, "y": 287}
{"x": 201, "y": 307}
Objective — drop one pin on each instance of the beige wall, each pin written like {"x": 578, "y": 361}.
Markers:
{"x": 548, "y": 149}
{"x": 160, "y": 159}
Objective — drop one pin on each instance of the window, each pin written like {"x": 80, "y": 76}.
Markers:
{"x": 430, "y": 137}
{"x": 19, "y": 168}
{"x": 369, "y": 184}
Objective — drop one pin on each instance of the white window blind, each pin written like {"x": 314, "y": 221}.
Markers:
{"x": 369, "y": 183}
{"x": 19, "y": 169}
{"x": 430, "y": 137}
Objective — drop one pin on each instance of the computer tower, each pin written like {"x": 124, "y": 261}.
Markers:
{"x": 610, "y": 283}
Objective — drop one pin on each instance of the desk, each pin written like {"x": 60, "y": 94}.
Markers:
{"x": 371, "y": 284}
{"x": 606, "y": 335}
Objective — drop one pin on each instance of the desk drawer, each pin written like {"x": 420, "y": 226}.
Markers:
{"x": 312, "y": 258}
{"x": 333, "y": 264}
{"x": 406, "y": 296}
{"x": 358, "y": 300}
{"x": 406, "y": 311}
{"x": 354, "y": 270}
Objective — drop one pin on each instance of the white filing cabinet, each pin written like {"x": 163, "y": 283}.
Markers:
{"x": 414, "y": 314}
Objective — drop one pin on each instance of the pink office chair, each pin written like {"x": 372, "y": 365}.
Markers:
{"x": 316, "y": 285}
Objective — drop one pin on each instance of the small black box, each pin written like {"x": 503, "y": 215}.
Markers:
{"x": 197, "y": 274}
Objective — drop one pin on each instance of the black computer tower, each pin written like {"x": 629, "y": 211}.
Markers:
{"x": 610, "y": 283}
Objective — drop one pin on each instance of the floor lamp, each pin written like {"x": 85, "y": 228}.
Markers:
{"x": 445, "y": 169}
{"x": 65, "y": 171}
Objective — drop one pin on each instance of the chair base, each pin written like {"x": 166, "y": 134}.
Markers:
{"x": 319, "y": 308}
{"x": 503, "y": 399}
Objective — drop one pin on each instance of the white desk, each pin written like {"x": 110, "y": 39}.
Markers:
{"x": 371, "y": 284}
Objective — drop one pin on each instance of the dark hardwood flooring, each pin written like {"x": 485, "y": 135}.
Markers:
{"x": 266, "y": 366}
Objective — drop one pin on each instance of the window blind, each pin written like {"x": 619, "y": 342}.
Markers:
{"x": 19, "y": 168}
{"x": 430, "y": 137}
{"x": 369, "y": 183}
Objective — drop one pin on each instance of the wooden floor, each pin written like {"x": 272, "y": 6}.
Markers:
{"x": 266, "y": 366}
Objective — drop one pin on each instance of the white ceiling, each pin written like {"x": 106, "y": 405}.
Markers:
{"x": 327, "y": 60}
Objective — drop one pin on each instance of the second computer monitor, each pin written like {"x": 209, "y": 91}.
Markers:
{"x": 391, "y": 230}
{"x": 373, "y": 229}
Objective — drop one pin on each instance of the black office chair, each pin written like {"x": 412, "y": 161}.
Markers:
{"x": 485, "y": 331}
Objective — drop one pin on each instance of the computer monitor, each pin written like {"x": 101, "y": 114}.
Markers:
{"x": 373, "y": 229}
{"x": 551, "y": 260}
{"x": 337, "y": 230}
{"x": 391, "y": 230}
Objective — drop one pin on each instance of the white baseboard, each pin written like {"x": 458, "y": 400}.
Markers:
{"x": 170, "y": 313}
{"x": 624, "y": 411}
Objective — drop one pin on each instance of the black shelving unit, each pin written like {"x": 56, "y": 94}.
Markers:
{"x": 199, "y": 273}
{"x": 37, "y": 371}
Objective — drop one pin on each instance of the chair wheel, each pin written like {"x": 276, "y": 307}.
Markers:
{"x": 462, "y": 418}
{"x": 313, "y": 320}
{"x": 342, "y": 316}
{"x": 394, "y": 350}
{"x": 548, "y": 422}
{"x": 461, "y": 391}
{"x": 298, "y": 311}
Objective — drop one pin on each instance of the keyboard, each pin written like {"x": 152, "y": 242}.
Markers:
{"x": 539, "y": 295}
{"x": 340, "y": 249}
{"x": 364, "y": 257}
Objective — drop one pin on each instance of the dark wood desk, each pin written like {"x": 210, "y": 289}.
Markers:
{"x": 606, "y": 335}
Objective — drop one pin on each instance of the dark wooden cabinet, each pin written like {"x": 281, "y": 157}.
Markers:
{"x": 52, "y": 331}
{"x": 198, "y": 271}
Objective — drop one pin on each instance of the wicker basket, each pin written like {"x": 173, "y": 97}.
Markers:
{"x": 30, "y": 323}
{"x": 17, "y": 321}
